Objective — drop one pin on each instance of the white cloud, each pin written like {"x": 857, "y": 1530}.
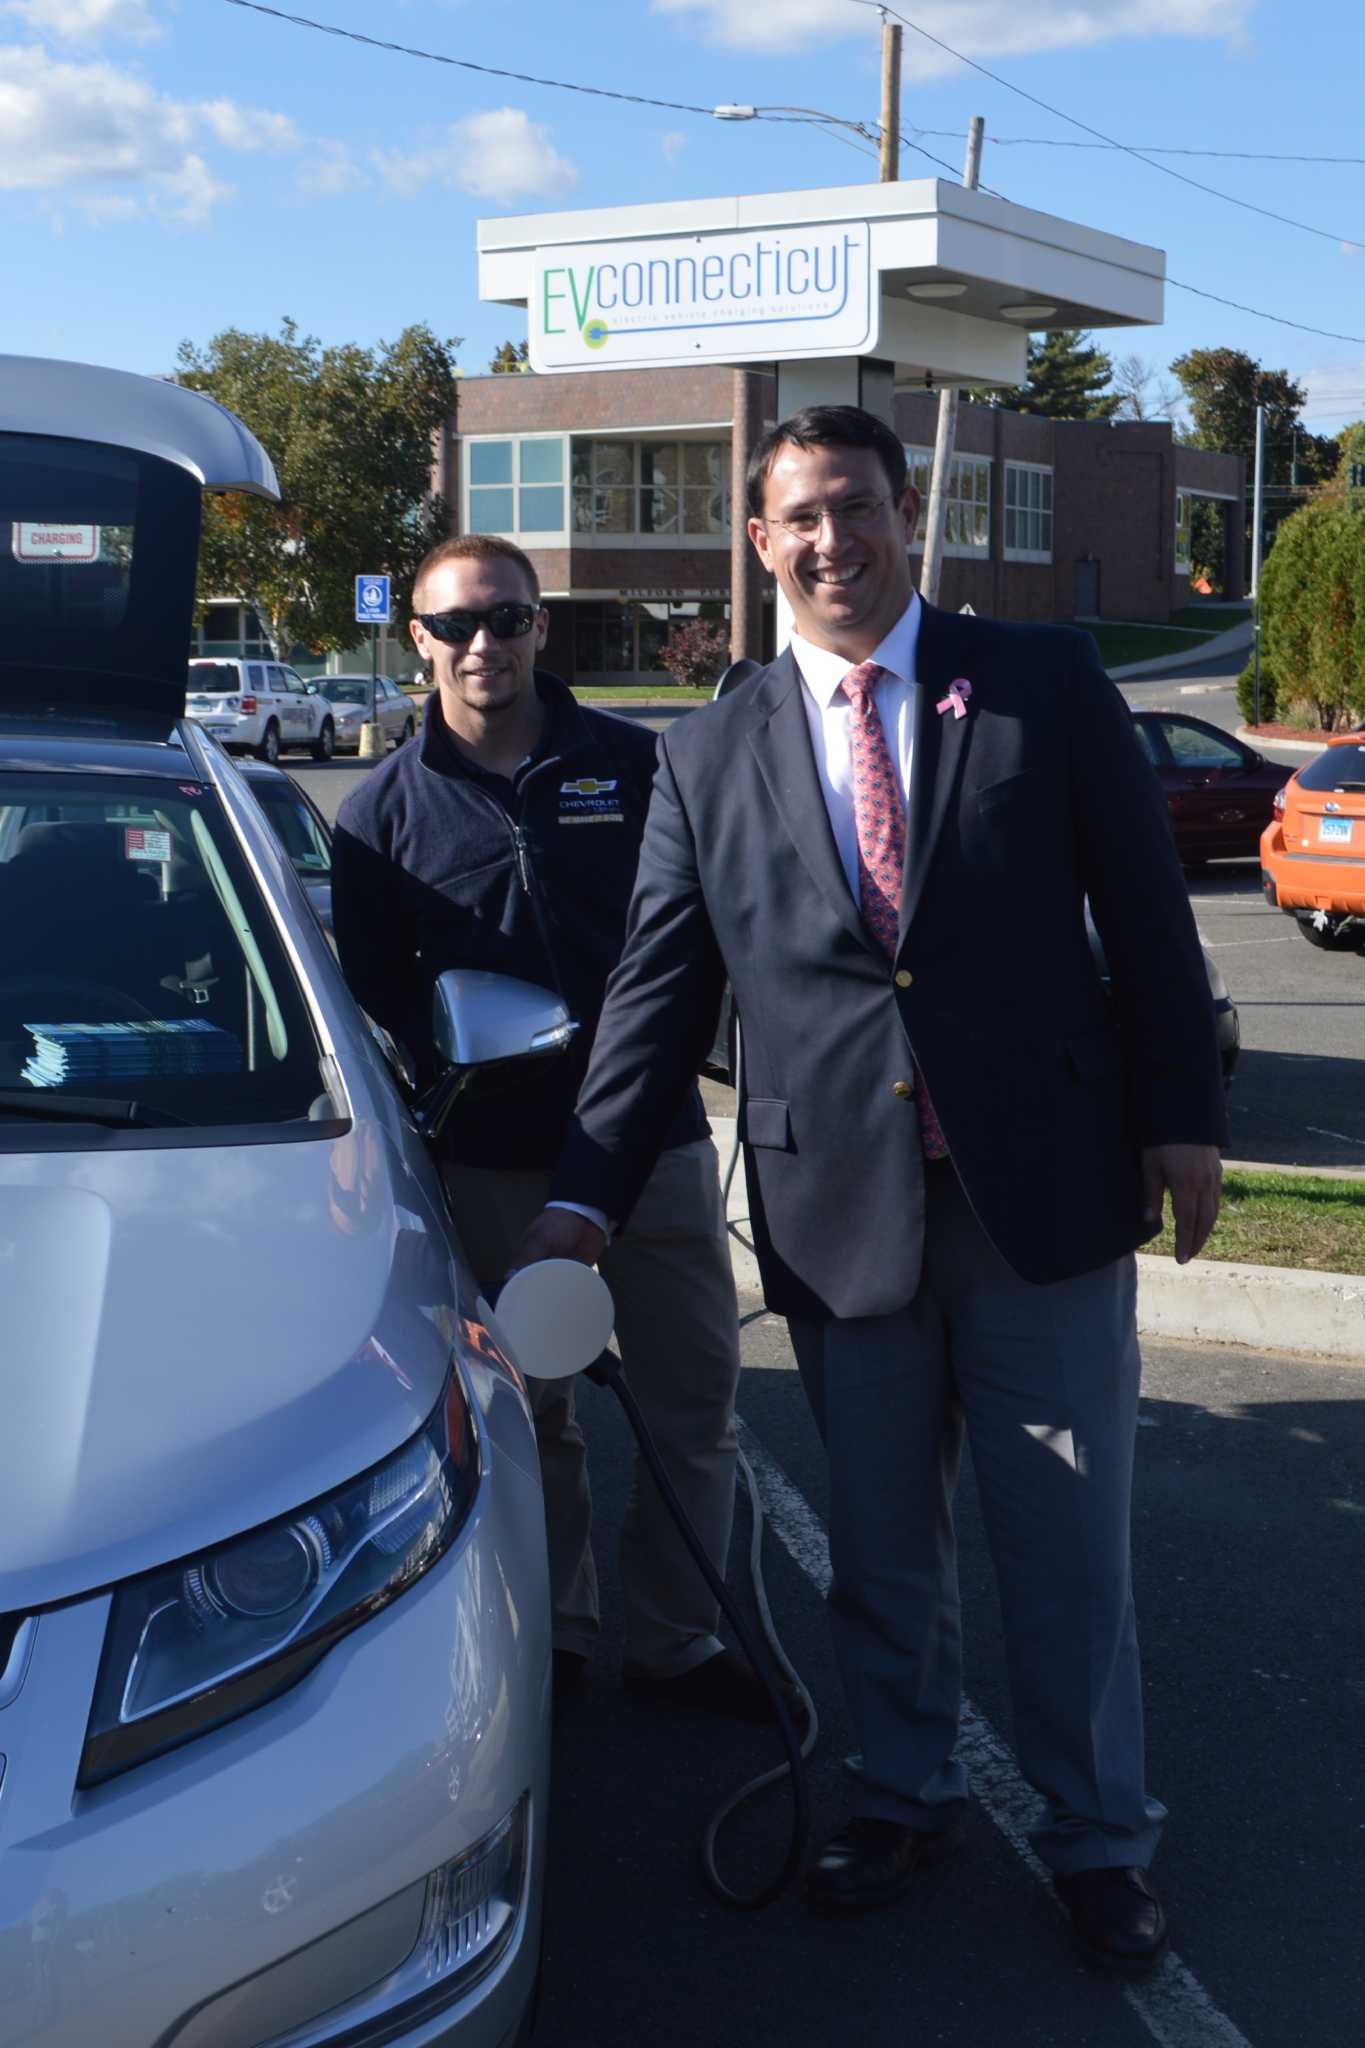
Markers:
{"x": 978, "y": 28}
{"x": 328, "y": 171}
{"x": 87, "y": 21}
{"x": 673, "y": 144}
{"x": 116, "y": 146}
{"x": 500, "y": 155}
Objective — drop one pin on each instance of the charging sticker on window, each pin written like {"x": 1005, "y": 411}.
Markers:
{"x": 140, "y": 844}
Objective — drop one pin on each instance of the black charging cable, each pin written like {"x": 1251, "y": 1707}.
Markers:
{"x": 608, "y": 1372}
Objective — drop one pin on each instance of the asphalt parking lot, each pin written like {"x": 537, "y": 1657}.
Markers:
{"x": 1249, "y": 1542}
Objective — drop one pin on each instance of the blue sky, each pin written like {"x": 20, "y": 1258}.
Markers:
{"x": 172, "y": 167}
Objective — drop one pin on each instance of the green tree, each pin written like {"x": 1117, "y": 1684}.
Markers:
{"x": 349, "y": 431}
{"x": 1068, "y": 379}
{"x": 1313, "y": 608}
{"x": 1223, "y": 388}
{"x": 511, "y": 357}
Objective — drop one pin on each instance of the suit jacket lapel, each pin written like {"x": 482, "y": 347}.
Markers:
{"x": 781, "y": 745}
{"x": 940, "y": 747}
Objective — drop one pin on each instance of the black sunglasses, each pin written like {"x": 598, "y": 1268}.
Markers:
{"x": 504, "y": 622}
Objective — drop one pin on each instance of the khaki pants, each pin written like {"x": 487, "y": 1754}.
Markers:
{"x": 677, "y": 1332}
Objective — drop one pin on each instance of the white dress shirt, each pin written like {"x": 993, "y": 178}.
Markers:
{"x": 828, "y": 713}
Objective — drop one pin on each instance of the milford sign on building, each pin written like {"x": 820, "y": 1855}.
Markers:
{"x": 807, "y": 290}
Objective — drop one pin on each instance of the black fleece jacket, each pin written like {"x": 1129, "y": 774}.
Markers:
{"x": 436, "y": 863}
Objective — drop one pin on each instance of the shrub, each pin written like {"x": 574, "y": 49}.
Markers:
{"x": 1246, "y": 693}
{"x": 696, "y": 652}
{"x": 1313, "y": 607}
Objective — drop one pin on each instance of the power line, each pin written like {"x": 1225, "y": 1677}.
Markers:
{"x": 351, "y": 35}
{"x": 1249, "y": 156}
{"x": 1325, "y": 333}
{"x": 1211, "y": 191}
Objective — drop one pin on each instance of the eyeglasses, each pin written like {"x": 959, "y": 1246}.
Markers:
{"x": 504, "y": 622}
{"x": 854, "y": 514}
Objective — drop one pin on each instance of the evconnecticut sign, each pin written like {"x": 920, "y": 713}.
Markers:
{"x": 728, "y": 298}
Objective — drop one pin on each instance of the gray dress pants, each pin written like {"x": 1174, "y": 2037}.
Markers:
{"x": 678, "y": 1335}
{"x": 1045, "y": 1382}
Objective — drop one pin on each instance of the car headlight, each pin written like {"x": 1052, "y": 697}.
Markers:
{"x": 198, "y": 1643}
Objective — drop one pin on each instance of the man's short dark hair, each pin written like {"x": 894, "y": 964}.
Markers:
{"x": 476, "y": 547}
{"x": 825, "y": 426}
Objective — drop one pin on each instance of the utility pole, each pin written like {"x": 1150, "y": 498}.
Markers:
{"x": 891, "y": 101}
{"x": 932, "y": 568}
{"x": 1257, "y": 493}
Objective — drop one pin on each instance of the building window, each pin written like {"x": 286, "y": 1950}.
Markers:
{"x": 612, "y": 639}
{"x": 967, "y": 520}
{"x": 651, "y": 487}
{"x": 1028, "y": 512}
{"x": 1184, "y": 505}
{"x": 516, "y": 486}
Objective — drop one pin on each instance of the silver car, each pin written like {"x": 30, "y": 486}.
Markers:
{"x": 274, "y": 1628}
{"x": 349, "y": 697}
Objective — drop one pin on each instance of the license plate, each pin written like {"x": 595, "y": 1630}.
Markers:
{"x": 1335, "y": 830}
{"x": 209, "y": 726}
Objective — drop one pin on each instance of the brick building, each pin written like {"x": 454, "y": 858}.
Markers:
{"x": 617, "y": 485}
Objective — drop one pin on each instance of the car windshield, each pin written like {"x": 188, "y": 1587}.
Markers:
{"x": 338, "y": 691}
{"x": 295, "y": 826}
{"x": 141, "y": 965}
{"x": 214, "y": 678}
{"x": 1340, "y": 768}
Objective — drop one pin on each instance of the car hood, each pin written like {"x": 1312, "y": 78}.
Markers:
{"x": 199, "y": 1339}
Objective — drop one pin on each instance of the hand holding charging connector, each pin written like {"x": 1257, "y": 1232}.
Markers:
{"x": 557, "y": 1317}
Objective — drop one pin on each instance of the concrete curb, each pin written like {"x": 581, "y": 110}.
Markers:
{"x": 1236, "y": 640}
{"x": 1272, "y": 1308}
{"x": 1253, "y": 739}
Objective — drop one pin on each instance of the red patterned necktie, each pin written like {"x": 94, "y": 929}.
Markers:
{"x": 879, "y": 821}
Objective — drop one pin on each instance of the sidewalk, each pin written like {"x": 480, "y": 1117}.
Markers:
{"x": 1270, "y": 1308}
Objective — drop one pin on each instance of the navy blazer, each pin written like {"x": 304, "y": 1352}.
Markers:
{"x": 1036, "y": 798}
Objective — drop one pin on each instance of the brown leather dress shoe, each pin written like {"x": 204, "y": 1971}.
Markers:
{"x": 871, "y": 1863}
{"x": 1117, "y": 1921}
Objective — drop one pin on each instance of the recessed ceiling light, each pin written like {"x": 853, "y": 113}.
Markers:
{"x": 935, "y": 291}
{"x": 1027, "y": 312}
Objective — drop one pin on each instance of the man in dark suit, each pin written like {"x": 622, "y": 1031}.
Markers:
{"x": 954, "y": 1138}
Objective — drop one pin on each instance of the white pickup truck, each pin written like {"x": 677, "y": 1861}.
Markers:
{"x": 261, "y": 707}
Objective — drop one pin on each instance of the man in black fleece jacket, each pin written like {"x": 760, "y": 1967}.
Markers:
{"x": 505, "y": 837}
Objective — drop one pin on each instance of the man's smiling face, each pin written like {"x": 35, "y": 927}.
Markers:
{"x": 849, "y": 581}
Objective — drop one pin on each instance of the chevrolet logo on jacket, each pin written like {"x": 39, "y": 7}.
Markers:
{"x": 587, "y": 785}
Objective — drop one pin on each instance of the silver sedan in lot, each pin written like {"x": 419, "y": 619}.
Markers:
{"x": 274, "y": 1628}
{"x": 349, "y": 697}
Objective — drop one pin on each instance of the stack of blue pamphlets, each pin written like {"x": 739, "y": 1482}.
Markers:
{"x": 152, "y": 1048}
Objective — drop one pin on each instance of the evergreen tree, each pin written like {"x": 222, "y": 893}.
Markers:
{"x": 511, "y": 357}
{"x": 1068, "y": 379}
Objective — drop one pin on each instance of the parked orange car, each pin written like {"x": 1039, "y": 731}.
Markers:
{"x": 1313, "y": 850}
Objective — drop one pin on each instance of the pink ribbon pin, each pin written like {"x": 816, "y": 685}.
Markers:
{"x": 958, "y": 692}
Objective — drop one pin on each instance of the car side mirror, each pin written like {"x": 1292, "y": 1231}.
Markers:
{"x": 310, "y": 689}
{"x": 479, "y": 1018}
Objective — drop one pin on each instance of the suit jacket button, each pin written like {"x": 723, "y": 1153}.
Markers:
{"x": 905, "y": 1089}
{"x": 903, "y": 977}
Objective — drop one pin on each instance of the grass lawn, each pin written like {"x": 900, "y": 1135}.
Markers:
{"x": 1216, "y": 616}
{"x": 639, "y": 693}
{"x": 1119, "y": 642}
{"x": 1286, "y": 1219}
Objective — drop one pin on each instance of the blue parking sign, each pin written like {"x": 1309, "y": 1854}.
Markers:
{"x": 372, "y": 600}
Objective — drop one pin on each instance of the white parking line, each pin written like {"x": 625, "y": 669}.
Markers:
{"x": 1345, "y": 1138}
{"x": 1173, "y": 2005}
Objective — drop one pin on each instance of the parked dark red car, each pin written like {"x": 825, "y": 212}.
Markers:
{"x": 1220, "y": 793}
